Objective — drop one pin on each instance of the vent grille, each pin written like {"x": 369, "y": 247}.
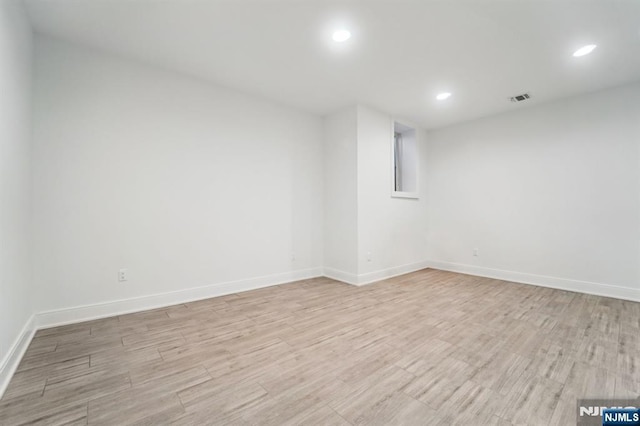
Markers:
{"x": 520, "y": 98}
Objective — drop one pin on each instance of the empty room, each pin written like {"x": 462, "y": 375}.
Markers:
{"x": 278, "y": 212}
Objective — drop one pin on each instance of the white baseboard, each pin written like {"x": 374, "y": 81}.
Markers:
{"x": 587, "y": 287}
{"x": 383, "y": 274}
{"x": 338, "y": 275}
{"x": 119, "y": 307}
{"x": 13, "y": 357}
{"x": 375, "y": 276}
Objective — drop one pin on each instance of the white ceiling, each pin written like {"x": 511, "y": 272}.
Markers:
{"x": 401, "y": 54}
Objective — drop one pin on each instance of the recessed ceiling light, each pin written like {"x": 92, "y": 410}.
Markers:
{"x": 341, "y": 35}
{"x": 443, "y": 96}
{"x": 584, "y": 50}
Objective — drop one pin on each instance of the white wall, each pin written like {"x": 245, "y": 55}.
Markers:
{"x": 188, "y": 184}
{"x": 184, "y": 183}
{"x": 368, "y": 234}
{"x": 550, "y": 193}
{"x": 15, "y": 183}
{"x": 340, "y": 195}
{"x": 392, "y": 230}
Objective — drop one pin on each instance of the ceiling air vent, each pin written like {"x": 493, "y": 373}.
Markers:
{"x": 520, "y": 98}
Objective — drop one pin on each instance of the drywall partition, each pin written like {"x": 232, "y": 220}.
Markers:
{"x": 340, "y": 195}
{"x": 16, "y": 307}
{"x": 369, "y": 235}
{"x": 196, "y": 190}
{"x": 548, "y": 195}
{"x": 391, "y": 231}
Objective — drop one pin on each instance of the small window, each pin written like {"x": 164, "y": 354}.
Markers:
{"x": 405, "y": 161}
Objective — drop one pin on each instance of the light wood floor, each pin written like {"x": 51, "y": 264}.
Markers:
{"x": 430, "y": 347}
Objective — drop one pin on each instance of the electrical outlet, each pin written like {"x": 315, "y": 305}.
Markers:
{"x": 475, "y": 252}
{"x": 368, "y": 256}
{"x": 123, "y": 275}
{"x": 293, "y": 257}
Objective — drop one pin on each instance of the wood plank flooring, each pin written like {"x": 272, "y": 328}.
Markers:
{"x": 426, "y": 348}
